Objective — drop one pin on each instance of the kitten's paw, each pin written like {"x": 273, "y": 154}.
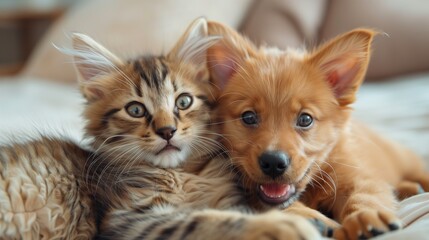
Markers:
{"x": 326, "y": 229}
{"x": 278, "y": 225}
{"x": 367, "y": 223}
{"x": 324, "y": 224}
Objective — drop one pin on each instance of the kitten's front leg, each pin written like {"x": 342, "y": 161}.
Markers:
{"x": 366, "y": 210}
{"x": 208, "y": 224}
{"x": 234, "y": 225}
{"x": 325, "y": 225}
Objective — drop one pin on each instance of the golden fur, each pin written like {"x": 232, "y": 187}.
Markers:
{"x": 336, "y": 165}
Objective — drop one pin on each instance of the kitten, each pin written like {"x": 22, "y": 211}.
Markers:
{"x": 147, "y": 116}
{"x": 286, "y": 122}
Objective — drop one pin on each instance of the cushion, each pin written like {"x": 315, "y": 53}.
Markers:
{"x": 285, "y": 23}
{"x": 404, "y": 47}
{"x": 127, "y": 28}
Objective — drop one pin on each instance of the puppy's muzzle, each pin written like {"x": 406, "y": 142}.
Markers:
{"x": 274, "y": 163}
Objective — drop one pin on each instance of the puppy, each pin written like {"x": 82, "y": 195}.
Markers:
{"x": 286, "y": 120}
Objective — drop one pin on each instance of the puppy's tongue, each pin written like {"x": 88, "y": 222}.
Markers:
{"x": 275, "y": 190}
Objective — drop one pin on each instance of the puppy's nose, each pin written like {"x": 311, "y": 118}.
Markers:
{"x": 166, "y": 132}
{"x": 274, "y": 163}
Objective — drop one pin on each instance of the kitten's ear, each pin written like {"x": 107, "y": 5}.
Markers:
{"x": 344, "y": 61}
{"x": 91, "y": 58}
{"x": 192, "y": 46}
{"x": 228, "y": 54}
{"x": 92, "y": 61}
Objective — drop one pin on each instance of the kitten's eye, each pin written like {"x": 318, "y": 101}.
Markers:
{"x": 304, "y": 121}
{"x": 135, "y": 109}
{"x": 249, "y": 118}
{"x": 184, "y": 101}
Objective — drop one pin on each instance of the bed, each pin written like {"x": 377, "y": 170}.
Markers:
{"x": 44, "y": 98}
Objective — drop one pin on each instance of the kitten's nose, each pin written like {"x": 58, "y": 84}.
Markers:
{"x": 166, "y": 132}
{"x": 274, "y": 163}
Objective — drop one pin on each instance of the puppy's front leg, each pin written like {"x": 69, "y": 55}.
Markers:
{"x": 366, "y": 208}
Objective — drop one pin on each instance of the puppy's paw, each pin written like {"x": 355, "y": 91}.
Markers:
{"x": 278, "y": 225}
{"x": 424, "y": 181}
{"x": 406, "y": 189}
{"x": 366, "y": 224}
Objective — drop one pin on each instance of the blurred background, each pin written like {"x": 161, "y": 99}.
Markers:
{"x": 37, "y": 83}
{"x": 22, "y": 24}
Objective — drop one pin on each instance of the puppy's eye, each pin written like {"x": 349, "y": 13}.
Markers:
{"x": 135, "y": 109}
{"x": 249, "y": 118}
{"x": 184, "y": 101}
{"x": 304, "y": 121}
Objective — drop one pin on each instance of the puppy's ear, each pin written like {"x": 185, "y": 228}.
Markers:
{"x": 192, "y": 46}
{"x": 343, "y": 62}
{"x": 227, "y": 55}
{"x": 92, "y": 61}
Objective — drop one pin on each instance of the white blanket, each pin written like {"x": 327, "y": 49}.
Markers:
{"x": 30, "y": 107}
{"x": 414, "y": 213}
{"x": 399, "y": 110}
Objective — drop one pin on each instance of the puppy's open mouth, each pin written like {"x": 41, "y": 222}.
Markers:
{"x": 168, "y": 148}
{"x": 275, "y": 193}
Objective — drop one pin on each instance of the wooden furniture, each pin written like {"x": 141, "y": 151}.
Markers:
{"x": 28, "y": 24}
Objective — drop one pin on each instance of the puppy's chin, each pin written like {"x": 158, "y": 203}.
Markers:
{"x": 259, "y": 198}
{"x": 266, "y": 193}
{"x": 277, "y": 194}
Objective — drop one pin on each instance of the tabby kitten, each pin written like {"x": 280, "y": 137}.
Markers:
{"x": 146, "y": 117}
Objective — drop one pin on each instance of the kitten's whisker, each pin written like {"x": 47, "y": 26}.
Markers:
{"x": 112, "y": 162}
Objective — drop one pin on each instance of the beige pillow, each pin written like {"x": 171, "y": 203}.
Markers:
{"x": 404, "y": 50}
{"x": 127, "y": 28}
{"x": 285, "y": 23}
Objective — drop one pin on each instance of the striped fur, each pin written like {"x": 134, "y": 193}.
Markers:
{"x": 41, "y": 192}
{"x": 172, "y": 204}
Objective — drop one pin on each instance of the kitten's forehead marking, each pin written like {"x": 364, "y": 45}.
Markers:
{"x": 156, "y": 87}
{"x": 167, "y": 100}
{"x": 152, "y": 71}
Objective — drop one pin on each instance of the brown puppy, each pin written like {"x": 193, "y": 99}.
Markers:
{"x": 286, "y": 120}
